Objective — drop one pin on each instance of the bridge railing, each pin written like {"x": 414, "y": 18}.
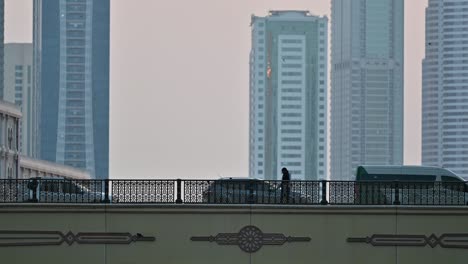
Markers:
{"x": 180, "y": 191}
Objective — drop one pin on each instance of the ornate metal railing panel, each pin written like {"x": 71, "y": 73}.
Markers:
{"x": 216, "y": 191}
{"x": 69, "y": 191}
{"x": 433, "y": 193}
{"x": 234, "y": 191}
{"x": 294, "y": 192}
{"x": 251, "y": 192}
{"x": 142, "y": 191}
{"x": 14, "y": 191}
{"x": 195, "y": 191}
{"x": 361, "y": 193}
{"x": 341, "y": 192}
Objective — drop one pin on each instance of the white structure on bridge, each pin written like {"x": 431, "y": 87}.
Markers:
{"x": 15, "y": 166}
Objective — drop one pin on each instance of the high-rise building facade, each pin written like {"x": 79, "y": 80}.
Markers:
{"x": 2, "y": 40}
{"x": 445, "y": 86}
{"x": 366, "y": 85}
{"x": 288, "y": 95}
{"x": 19, "y": 89}
{"x": 71, "y": 57}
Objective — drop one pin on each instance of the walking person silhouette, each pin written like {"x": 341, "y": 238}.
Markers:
{"x": 285, "y": 188}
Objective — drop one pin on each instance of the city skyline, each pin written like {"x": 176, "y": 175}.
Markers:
{"x": 216, "y": 146}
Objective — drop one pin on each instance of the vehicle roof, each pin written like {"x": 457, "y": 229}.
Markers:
{"x": 238, "y": 179}
{"x": 406, "y": 169}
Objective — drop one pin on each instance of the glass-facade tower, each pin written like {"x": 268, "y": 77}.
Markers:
{"x": 445, "y": 86}
{"x": 366, "y": 85}
{"x": 71, "y": 57}
{"x": 288, "y": 95}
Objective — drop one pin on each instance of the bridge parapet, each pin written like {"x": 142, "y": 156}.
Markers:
{"x": 234, "y": 192}
{"x": 202, "y": 233}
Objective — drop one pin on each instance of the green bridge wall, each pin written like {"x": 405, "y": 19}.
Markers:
{"x": 309, "y": 234}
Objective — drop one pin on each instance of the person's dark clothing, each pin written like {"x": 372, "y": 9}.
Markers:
{"x": 286, "y": 175}
{"x": 285, "y": 188}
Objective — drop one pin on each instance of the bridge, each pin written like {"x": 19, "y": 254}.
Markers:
{"x": 186, "y": 221}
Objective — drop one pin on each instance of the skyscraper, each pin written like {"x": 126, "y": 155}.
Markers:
{"x": 445, "y": 86}
{"x": 2, "y": 40}
{"x": 366, "y": 85}
{"x": 71, "y": 57}
{"x": 288, "y": 95}
{"x": 19, "y": 89}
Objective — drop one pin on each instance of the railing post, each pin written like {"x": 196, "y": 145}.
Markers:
{"x": 324, "y": 193}
{"x": 397, "y": 194}
{"x": 250, "y": 198}
{"x": 106, "y": 191}
{"x": 179, "y": 191}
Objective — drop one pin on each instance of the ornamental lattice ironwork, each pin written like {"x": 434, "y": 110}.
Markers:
{"x": 454, "y": 240}
{"x": 143, "y": 191}
{"x": 16, "y": 238}
{"x": 250, "y": 239}
{"x": 233, "y": 191}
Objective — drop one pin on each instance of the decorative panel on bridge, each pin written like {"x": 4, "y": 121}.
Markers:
{"x": 180, "y": 233}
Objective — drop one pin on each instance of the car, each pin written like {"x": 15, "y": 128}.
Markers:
{"x": 248, "y": 191}
{"x": 410, "y": 185}
{"x": 56, "y": 190}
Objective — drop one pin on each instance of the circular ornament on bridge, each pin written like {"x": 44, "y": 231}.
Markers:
{"x": 250, "y": 239}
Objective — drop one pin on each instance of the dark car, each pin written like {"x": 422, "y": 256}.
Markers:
{"x": 58, "y": 190}
{"x": 247, "y": 191}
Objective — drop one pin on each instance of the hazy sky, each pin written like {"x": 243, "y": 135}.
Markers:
{"x": 180, "y": 82}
